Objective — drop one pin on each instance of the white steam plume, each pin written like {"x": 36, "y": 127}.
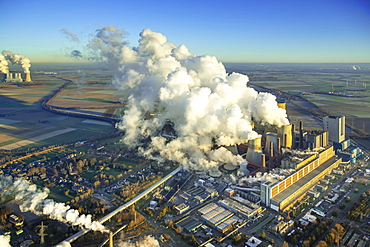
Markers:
{"x": 5, "y": 241}
{"x": 34, "y": 200}
{"x": 64, "y": 244}
{"x": 18, "y": 59}
{"x": 3, "y": 65}
{"x": 206, "y": 105}
{"x": 274, "y": 175}
{"x": 145, "y": 242}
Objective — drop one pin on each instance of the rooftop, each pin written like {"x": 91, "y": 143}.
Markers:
{"x": 295, "y": 187}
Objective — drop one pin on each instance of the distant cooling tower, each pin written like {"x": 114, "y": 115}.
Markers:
{"x": 13, "y": 77}
{"x": 285, "y": 135}
{"x": 28, "y": 77}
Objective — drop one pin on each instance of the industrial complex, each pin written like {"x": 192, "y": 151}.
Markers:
{"x": 12, "y": 77}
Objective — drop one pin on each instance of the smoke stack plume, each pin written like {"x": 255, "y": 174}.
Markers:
{"x": 18, "y": 59}
{"x": 3, "y": 65}
{"x": 34, "y": 200}
{"x": 28, "y": 77}
{"x": 206, "y": 105}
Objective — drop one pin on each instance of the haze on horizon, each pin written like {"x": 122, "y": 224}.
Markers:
{"x": 234, "y": 31}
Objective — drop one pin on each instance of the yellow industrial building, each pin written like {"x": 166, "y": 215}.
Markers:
{"x": 280, "y": 196}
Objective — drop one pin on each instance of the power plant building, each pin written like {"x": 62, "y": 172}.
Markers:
{"x": 336, "y": 126}
{"x": 280, "y": 196}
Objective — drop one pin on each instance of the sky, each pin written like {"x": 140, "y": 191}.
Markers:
{"x": 253, "y": 31}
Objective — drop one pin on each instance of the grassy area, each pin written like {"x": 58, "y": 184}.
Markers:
{"x": 55, "y": 193}
{"x": 71, "y": 136}
{"x": 127, "y": 163}
{"x": 88, "y": 175}
{"x": 113, "y": 172}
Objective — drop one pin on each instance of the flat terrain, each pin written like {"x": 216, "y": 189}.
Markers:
{"x": 24, "y": 124}
{"x": 337, "y": 88}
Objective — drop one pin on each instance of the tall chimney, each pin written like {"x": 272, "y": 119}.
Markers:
{"x": 293, "y": 136}
{"x": 110, "y": 239}
{"x": 263, "y": 162}
{"x": 28, "y": 77}
{"x": 278, "y": 145}
{"x": 271, "y": 153}
{"x": 300, "y": 135}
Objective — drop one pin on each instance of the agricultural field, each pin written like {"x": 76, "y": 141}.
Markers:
{"x": 23, "y": 122}
{"x": 339, "y": 89}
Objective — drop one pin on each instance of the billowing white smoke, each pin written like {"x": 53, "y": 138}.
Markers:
{"x": 207, "y": 106}
{"x": 64, "y": 244}
{"x": 3, "y": 65}
{"x": 145, "y": 242}
{"x": 34, "y": 200}
{"x": 274, "y": 175}
{"x": 5, "y": 241}
{"x": 18, "y": 59}
{"x": 303, "y": 152}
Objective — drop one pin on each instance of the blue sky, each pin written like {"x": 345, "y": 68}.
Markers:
{"x": 234, "y": 30}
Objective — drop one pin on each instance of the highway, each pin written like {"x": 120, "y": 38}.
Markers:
{"x": 126, "y": 205}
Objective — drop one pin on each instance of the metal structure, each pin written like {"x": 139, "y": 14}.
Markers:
{"x": 42, "y": 233}
{"x": 126, "y": 205}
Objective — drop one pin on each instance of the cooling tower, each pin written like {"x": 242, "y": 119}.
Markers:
{"x": 282, "y": 105}
{"x": 285, "y": 135}
{"x": 244, "y": 168}
{"x": 28, "y": 77}
{"x": 253, "y": 147}
{"x": 255, "y": 157}
{"x": 230, "y": 167}
{"x": 271, "y": 137}
{"x": 215, "y": 172}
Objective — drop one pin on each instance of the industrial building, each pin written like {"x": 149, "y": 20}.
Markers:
{"x": 246, "y": 209}
{"x": 281, "y": 195}
{"x": 336, "y": 126}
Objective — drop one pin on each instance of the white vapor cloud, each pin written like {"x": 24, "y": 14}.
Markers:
{"x": 207, "y": 106}
{"x": 145, "y": 242}
{"x": 3, "y": 65}
{"x": 17, "y": 59}
{"x": 34, "y": 200}
{"x": 5, "y": 241}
